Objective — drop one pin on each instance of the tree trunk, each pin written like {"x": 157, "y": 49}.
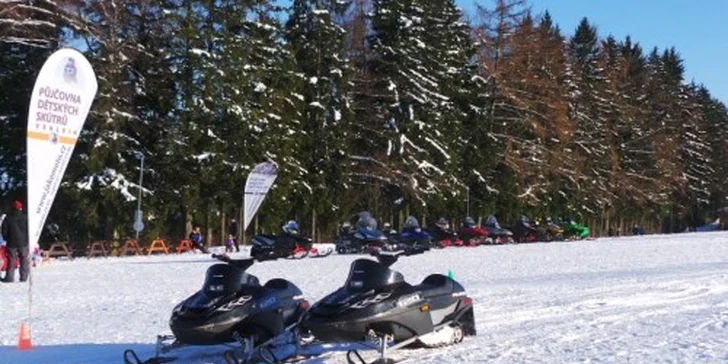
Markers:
{"x": 241, "y": 224}
{"x": 223, "y": 231}
{"x": 313, "y": 225}
{"x": 208, "y": 226}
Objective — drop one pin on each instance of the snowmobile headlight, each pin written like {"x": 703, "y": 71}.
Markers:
{"x": 356, "y": 284}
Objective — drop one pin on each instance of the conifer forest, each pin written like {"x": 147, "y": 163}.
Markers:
{"x": 397, "y": 107}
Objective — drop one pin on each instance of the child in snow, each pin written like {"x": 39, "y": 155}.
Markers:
{"x": 229, "y": 243}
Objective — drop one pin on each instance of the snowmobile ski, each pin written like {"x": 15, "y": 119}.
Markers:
{"x": 318, "y": 253}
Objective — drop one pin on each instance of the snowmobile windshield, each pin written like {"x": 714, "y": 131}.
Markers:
{"x": 367, "y": 274}
{"x": 411, "y": 223}
{"x": 492, "y": 222}
{"x": 366, "y": 221}
{"x": 469, "y": 222}
{"x": 223, "y": 279}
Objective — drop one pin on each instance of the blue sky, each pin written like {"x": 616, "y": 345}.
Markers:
{"x": 698, "y": 29}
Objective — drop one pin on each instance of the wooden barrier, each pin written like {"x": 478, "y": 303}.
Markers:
{"x": 158, "y": 245}
{"x": 97, "y": 248}
{"x": 60, "y": 249}
{"x": 131, "y": 246}
{"x": 184, "y": 245}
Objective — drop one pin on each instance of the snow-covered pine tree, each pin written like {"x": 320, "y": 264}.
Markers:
{"x": 637, "y": 159}
{"x": 234, "y": 105}
{"x": 29, "y": 32}
{"x": 553, "y": 110}
{"x": 409, "y": 99}
{"x": 664, "y": 90}
{"x": 451, "y": 66}
{"x": 316, "y": 41}
{"x": 588, "y": 107}
{"x": 531, "y": 82}
{"x": 486, "y": 137}
{"x": 120, "y": 43}
{"x": 695, "y": 153}
{"x": 611, "y": 60}
{"x": 715, "y": 115}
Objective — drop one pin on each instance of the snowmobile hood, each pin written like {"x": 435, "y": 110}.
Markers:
{"x": 416, "y": 234}
{"x": 367, "y": 234}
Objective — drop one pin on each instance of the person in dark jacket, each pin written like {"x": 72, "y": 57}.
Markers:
{"x": 233, "y": 230}
{"x": 197, "y": 239}
{"x": 15, "y": 231}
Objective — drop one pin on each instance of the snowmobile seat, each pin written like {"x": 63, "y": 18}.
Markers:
{"x": 265, "y": 240}
{"x": 284, "y": 289}
{"x": 435, "y": 285}
{"x": 249, "y": 280}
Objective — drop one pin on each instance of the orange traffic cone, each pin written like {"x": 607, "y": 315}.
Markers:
{"x": 24, "y": 337}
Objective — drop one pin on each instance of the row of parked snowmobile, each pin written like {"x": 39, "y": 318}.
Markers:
{"x": 273, "y": 322}
{"x": 365, "y": 237}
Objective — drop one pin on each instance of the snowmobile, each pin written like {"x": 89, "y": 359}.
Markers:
{"x": 345, "y": 243}
{"x": 377, "y": 304}
{"x": 442, "y": 236}
{"x": 498, "y": 234}
{"x": 574, "y": 230}
{"x": 290, "y": 244}
{"x": 554, "y": 232}
{"x": 367, "y": 237}
{"x": 473, "y": 235}
{"x": 5, "y": 261}
{"x": 527, "y": 231}
{"x": 362, "y": 238}
{"x": 412, "y": 239}
{"x": 232, "y": 307}
{"x": 711, "y": 226}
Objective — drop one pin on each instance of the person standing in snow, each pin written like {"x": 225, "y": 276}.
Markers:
{"x": 229, "y": 243}
{"x": 233, "y": 230}
{"x": 15, "y": 231}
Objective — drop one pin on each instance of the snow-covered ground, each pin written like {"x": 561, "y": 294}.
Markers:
{"x": 651, "y": 299}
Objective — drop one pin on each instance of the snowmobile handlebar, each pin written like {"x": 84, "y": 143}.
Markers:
{"x": 387, "y": 258}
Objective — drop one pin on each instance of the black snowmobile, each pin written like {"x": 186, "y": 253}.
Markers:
{"x": 412, "y": 239}
{"x": 364, "y": 237}
{"x": 376, "y": 304}
{"x": 346, "y": 243}
{"x": 496, "y": 233}
{"x": 289, "y": 244}
{"x": 232, "y": 307}
{"x": 528, "y": 231}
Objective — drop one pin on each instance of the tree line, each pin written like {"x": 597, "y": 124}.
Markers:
{"x": 399, "y": 107}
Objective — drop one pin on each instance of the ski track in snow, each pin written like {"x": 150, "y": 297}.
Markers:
{"x": 647, "y": 299}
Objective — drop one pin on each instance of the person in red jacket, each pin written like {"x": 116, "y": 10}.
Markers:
{"x": 15, "y": 231}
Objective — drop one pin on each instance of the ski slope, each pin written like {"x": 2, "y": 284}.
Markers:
{"x": 648, "y": 299}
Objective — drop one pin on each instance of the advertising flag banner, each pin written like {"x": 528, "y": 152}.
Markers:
{"x": 62, "y": 96}
{"x": 256, "y": 188}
